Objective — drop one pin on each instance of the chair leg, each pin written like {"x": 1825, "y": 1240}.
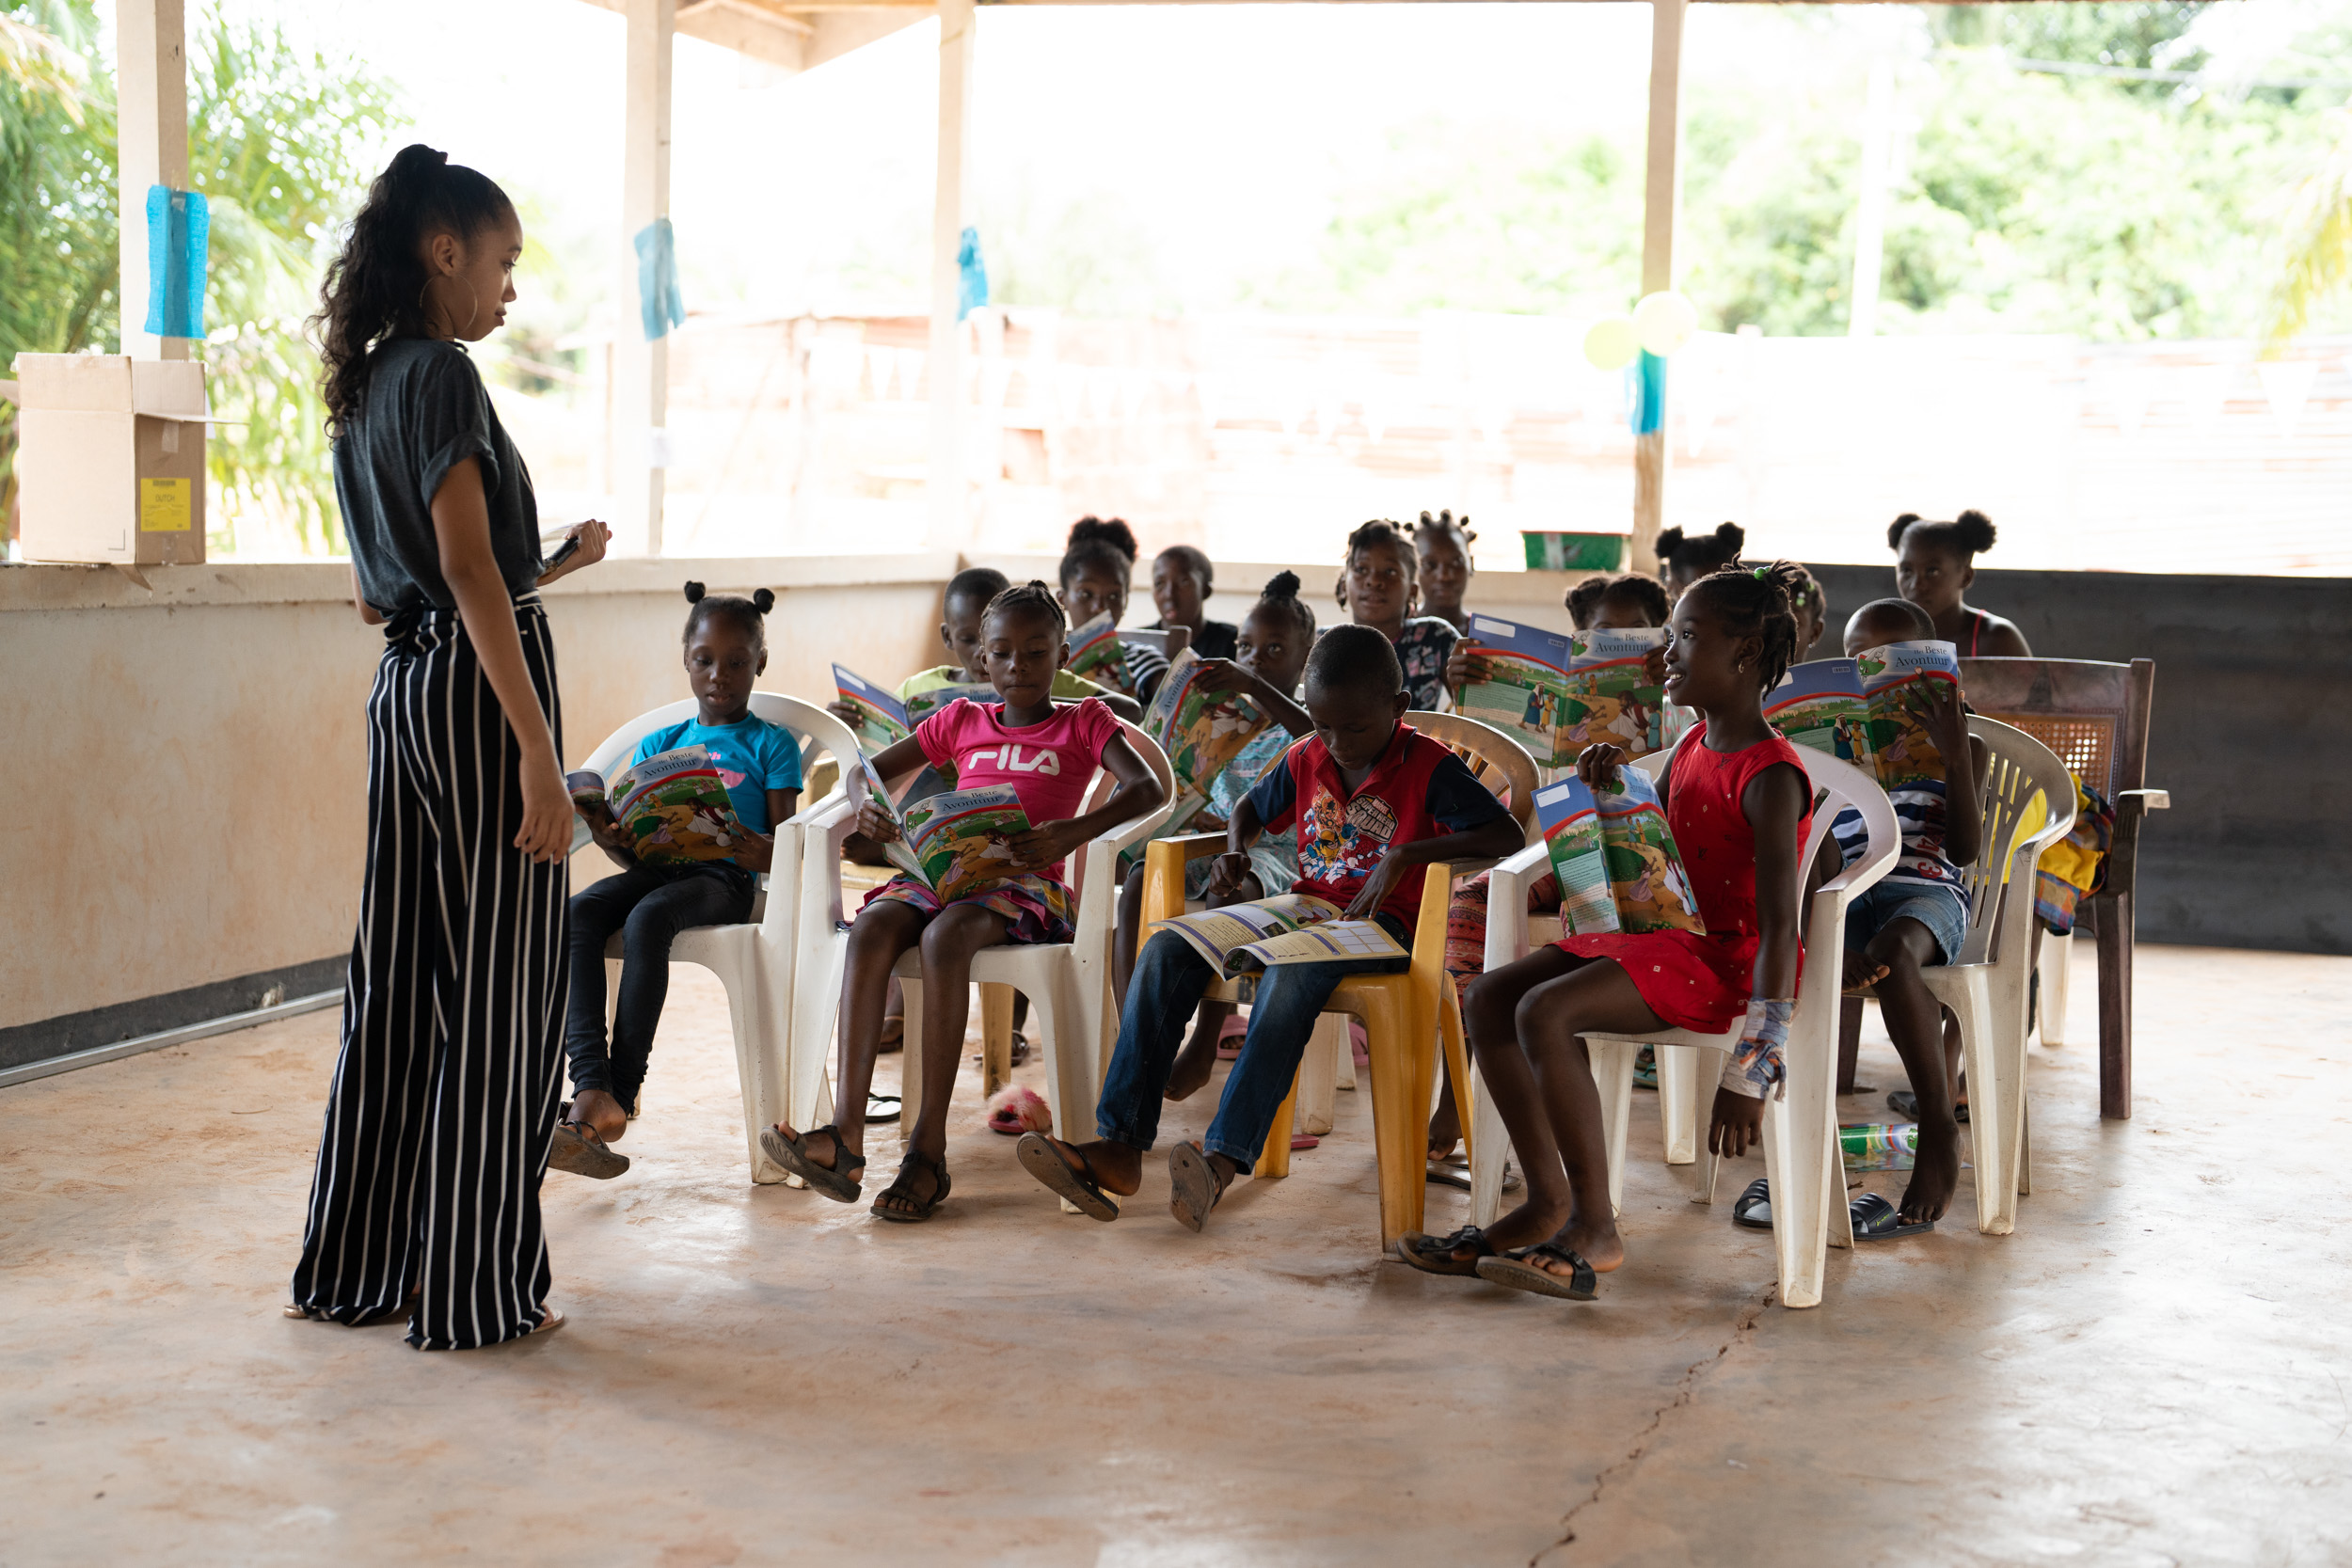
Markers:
{"x": 2114, "y": 1007}
{"x": 816, "y": 1009}
{"x": 1991, "y": 1110}
{"x": 1457, "y": 1068}
{"x": 1848, "y": 1040}
{"x": 910, "y": 1056}
{"x": 1613, "y": 1075}
{"x": 1400, "y": 1037}
{"x": 760, "y": 1023}
{"x": 1343, "y": 1060}
{"x": 1675, "y": 1122}
{"x": 611, "y": 994}
{"x": 1275, "y": 1158}
{"x": 2024, "y": 1150}
{"x": 1072, "y": 1086}
{"x": 2058, "y": 980}
{"x": 997, "y": 1037}
{"x": 1318, "y": 1072}
{"x": 1489, "y": 1147}
{"x": 1800, "y": 1143}
{"x": 1706, "y": 1070}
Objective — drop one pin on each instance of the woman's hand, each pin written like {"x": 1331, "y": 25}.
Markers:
{"x": 546, "y": 830}
{"x": 874, "y": 823}
{"x": 594, "y": 536}
{"x": 1464, "y": 666}
{"x": 1044, "y": 844}
{"x": 1598, "y": 765}
{"x": 1737, "y": 1124}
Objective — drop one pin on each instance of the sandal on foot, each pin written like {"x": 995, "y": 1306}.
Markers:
{"x": 550, "y": 1321}
{"x": 1041, "y": 1159}
{"x": 1517, "y": 1270}
{"x": 1435, "y": 1254}
{"x": 901, "y": 1189}
{"x": 1754, "y": 1206}
{"x": 1877, "y": 1220}
{"x": 1192, "y": 1189}
{"x": 840, "y": 1183}
{"x": 578, "y": 1149}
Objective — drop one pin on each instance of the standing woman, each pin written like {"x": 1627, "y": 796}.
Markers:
{"x": 426, "y": 1197}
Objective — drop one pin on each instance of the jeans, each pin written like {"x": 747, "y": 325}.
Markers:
{"x": 649, "y": 905}
{"x": 1170, "y": 980}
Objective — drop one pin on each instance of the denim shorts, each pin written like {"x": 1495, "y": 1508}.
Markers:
{"x": 1943, "y": 910}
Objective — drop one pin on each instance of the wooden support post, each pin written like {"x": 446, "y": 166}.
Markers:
{"x": 151, "y": 97}
{"x": 640, "y": 381}
{"x": 1661, "y": 199}
{"x": 951, "y": 525}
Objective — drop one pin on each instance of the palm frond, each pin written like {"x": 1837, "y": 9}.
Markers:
{"x": 2319, "y": 258}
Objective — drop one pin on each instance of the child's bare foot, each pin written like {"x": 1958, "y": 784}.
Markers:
{"x": 1526, "y": 1224}
{"x": 1190, "y": 1073}
{"x": 1445, "y": 1130}
{"x": 599, "y": 1112}
{"x": 1598, "y": 1245}
{"x": 1935, "y": 1174}
{"x": 1860, "y": 971}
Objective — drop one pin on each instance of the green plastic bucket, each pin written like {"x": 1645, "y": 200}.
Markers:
{"x": 1550, "y": 551}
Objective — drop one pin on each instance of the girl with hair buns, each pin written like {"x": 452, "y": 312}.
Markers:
{"x": 1441, "y": 548}
{"x": 725, "y": 643}
{"x": 1738, "y": 801}
{"x": 1097, "y": 572}
{"x": 426, "y": 1197}
{"x": 1683, "y": 558}
{"x": 1935, "y": 565}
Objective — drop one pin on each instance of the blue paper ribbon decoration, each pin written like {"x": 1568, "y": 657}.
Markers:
{"x": 971, "y": 275}
{"x": 1646, "y": 381}
{"x": 658, "y": 298}
{"x": 179, "y": 229}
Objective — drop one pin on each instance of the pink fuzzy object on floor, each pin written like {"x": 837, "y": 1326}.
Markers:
{"x": 1014, "y": 1110}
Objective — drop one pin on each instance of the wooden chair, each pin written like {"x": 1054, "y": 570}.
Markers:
{"x": 2094, "y": 717}
{"x": 1403, "y": 1015}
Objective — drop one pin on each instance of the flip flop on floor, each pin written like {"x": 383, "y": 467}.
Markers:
{"x": 1192, "y": 1189}
{"x": 792, "y": 1154}
{"x": 883, "y": 1107}
{"x": 1228, "y": 1038}
{"x": 903, "y": 1188}
{"x": 1515, "y": 1270}
{"x": 578, "y": 1149}
{"x": 1877, "y": 1220}
{"x": 1454, "y": 1171}
{"x": 1040, "y": 1156}
{"x": 1442, "y": 1254}
{"x": 1753, "y": 1208}
{"x": 1904, "y": 1103}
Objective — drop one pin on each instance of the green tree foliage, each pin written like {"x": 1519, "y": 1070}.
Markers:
{"x": 275, "y": 139}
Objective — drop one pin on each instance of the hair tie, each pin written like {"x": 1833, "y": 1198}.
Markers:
{"x": 1759, "y": 574}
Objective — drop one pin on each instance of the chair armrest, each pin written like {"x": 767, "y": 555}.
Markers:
{"x": 1436, "y": 894}
{"x": 1163, "y": 872}
{"x": 807, "y": 845}
{"x": 2132, "y": 807}
{"x": 2143, "y": 799}
{"x": 1506, "y": 903}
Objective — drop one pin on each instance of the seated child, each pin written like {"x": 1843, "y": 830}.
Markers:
{"x": 1442, "y": 545}
{"x": 1096, "y": 573}
{"x": 1914, "y": 916}
{"x": 1936, "y": 564}
{"x": 1682, "y": 559}
{"x": 1376, "y": 802}
{"x": 1599, "y": 603}
{"x": 1380, "y": 588}
{"x": 1048, "y": 756}
{"x": 1272, "y": 644}
{"x": 726, "y": 652}
{"x": 1738, "y": 801}
{"x": 1183, "y": 578}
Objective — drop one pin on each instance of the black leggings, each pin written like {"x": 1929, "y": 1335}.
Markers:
{"x": 649, "y": 905}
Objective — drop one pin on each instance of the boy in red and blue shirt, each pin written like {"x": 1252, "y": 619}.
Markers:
{"x": 1375, "y": 802}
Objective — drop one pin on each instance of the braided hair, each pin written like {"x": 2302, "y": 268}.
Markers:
{"x": 1752, "y": 601}
{"x": 1440, "y": 525}
{"x": 1094, "y": 542}
{"x": 1695, "y": 555}
{"x": 1380, "y": 530}
{"x": 1281, "y": 597}
{"x": 1032, "y": 598}
{"x": 1970, "y": 534}
{"x": 375, "y": 286}
{"x": 750, "y": 614}
{"x": 1639, "y": 589}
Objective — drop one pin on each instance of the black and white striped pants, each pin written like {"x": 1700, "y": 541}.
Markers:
{"x": 444, "y": 1098}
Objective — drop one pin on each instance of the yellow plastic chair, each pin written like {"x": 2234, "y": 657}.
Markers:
{"x": 1403, "y": 1014}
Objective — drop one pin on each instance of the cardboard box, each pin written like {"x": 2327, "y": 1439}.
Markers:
{"x": 110, "y": 459}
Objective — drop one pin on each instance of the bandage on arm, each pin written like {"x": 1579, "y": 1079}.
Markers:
{"x": 1758, "y": 1066}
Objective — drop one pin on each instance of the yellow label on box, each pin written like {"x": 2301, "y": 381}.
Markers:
{"x": 167, "y": 505}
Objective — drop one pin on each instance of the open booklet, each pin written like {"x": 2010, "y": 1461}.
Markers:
{"x": 673, "y": 807}
{"x": 1617, "y": 862}
{"x": 1558, "y": 692}
{"x": 1869, "y": 710}
{"x": 953, "y": 843}
{"x": 1096, "y": 647}
{"x": 1289, "y": 928}
{"x": 884, "y": 720}
{"x": 1201, "y": 730}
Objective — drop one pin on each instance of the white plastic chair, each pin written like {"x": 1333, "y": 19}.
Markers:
{"x": 1068, "y": 984}
{"x": 753, "y": 960}
{"x": 1801, "y": 1128}
{"x": 1985, "y": 989}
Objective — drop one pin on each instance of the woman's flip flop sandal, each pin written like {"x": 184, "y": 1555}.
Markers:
{"x": 1754, "y": 1207}
{"x": 1040, "y": 1156}
{"x": 901, "y": 1190}
{"x": 578, "y": 1149}
{"x": 841, "y": 1185}
{"x": 1515, "y": 1270}
{"x": 1435, "y": 1254}
{"x": 1192, "y": 1189}
{"x": 1877, "y": 1220}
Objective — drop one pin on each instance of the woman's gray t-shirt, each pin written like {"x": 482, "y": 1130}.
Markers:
{"x": 426, "y": 410}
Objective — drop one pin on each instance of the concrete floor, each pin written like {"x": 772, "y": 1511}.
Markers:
{"x": 2156, "y": 1368}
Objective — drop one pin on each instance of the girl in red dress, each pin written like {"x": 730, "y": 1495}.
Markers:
{"x": 1738, "y": 802}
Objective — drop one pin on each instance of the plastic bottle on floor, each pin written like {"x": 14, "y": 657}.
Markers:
{"x": 1878, "y": 1145}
